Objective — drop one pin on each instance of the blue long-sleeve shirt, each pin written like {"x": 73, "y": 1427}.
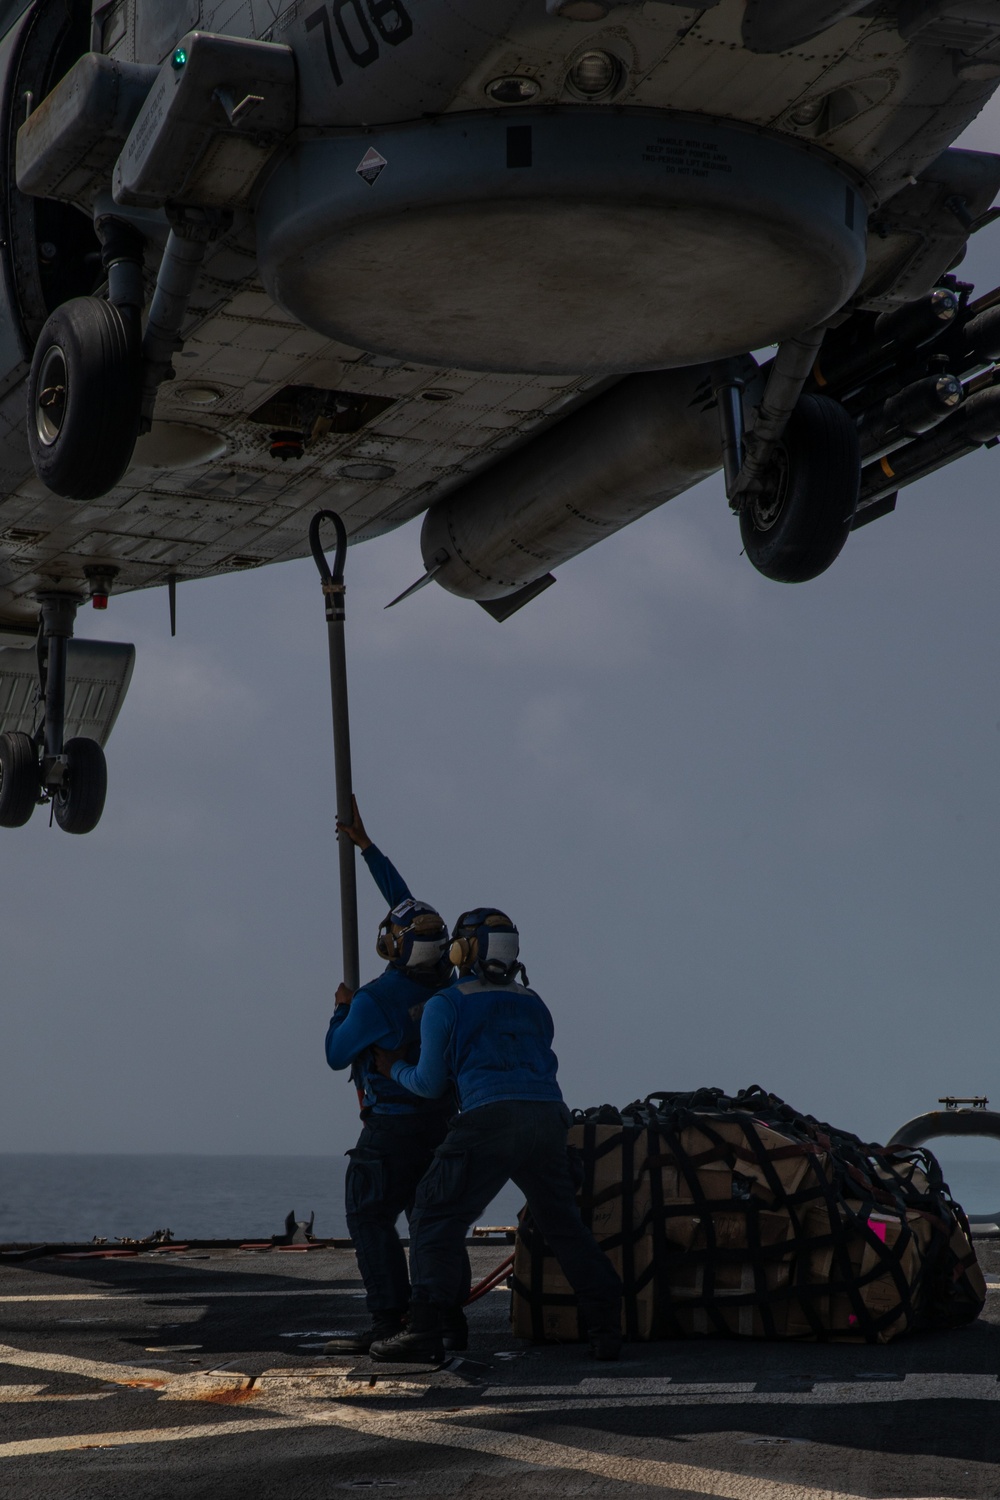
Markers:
{"x": 385, "y": 875}
{"x": 493, "y": 1041}
{"x": 429, "y": 1076}
{"x": 362, "y": 1024}
{"x": 383, "y": 1013}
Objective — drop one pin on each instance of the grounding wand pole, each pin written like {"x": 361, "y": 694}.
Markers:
{"x": 333, "y": 595}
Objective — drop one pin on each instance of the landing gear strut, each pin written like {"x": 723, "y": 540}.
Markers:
{"x": 95, "y": 374}
{"x": 795, "y": 477}
{"x": 71, "y": 774}
{"x": 74, "y": 773}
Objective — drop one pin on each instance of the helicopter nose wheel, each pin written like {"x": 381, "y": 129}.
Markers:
{"x": 84, "y": 395}
{"x": 796, "y": 526}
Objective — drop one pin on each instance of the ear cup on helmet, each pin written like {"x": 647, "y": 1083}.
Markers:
{"x": 463, "y": 952}
{"x": 385, "y": 943}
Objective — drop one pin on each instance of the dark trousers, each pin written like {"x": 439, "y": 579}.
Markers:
{"x": 519, "y": 1141}
{"x": 392, "y": 1155}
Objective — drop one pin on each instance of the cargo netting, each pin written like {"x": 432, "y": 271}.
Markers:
{"x": 740, "y": 1217}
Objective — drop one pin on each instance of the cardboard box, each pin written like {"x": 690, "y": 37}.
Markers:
{"x": 881, "y": 1252}
{"x": 716, "y": 1162}
{"x": 733, "y": 1228}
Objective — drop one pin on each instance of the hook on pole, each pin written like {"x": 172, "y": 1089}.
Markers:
{"x": 331, "y": 581}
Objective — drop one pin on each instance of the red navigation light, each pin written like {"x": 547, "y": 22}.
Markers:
{"x": 99, "y": 601}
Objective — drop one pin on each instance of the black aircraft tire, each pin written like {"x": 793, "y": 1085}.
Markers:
{"x": 797, "y": 527}
{"x": 19, "y": 778}
{"x": 78, "y": 805}
{"x": 84, "y": 398}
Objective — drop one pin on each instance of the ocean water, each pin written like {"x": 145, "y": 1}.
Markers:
{"x": 64, "y": 1198}
{"x": 73, "y": 1198}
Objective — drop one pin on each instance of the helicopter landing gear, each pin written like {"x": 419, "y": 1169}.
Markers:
{"x": 85, "y": 385}
{"x": 72, "y": 774}
{"x": 79, "y": 801}
{"x": 795, "y": 525}
{"x": 84, "y": 398}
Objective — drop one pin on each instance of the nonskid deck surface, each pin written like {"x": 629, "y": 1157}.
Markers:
{"x": 190, "y": 1374}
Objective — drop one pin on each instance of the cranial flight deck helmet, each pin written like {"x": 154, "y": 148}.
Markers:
{"x": 486, "y": 939}
{"x": 413, "y": 936}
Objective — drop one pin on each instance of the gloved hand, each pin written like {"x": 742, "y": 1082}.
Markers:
{"x": 355, "y": 830}
{"x": 384, "y": 1060}
{"x": 343, "y": 997}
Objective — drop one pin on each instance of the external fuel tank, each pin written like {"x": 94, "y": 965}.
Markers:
{"x": 637, "y": 445}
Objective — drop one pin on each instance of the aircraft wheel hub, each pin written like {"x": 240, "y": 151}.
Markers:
{"x": 50, "y": 402}
{"x": 766, "y": 505}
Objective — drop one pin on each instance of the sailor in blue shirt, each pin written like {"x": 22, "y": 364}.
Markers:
{"x": 401, "y": 1129}
{"x": 492, "y": 1039}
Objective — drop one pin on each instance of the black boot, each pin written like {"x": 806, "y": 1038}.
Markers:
{"x": 604, "y": 1329}
{"x": 455, "y": 1331}
{"x": 384, "y": 1326}
{"x": 605, "y": 1343}
{"x": 420, "y": 1343}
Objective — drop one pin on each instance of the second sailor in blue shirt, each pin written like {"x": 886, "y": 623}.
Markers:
{"x": 491, "y": 1038}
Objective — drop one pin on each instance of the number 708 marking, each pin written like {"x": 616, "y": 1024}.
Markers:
{"x": 359, "y": 25}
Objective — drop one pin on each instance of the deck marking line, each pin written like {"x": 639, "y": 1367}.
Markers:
{"x": 518, "y": 1448}
{"x": 56, "y": 1395}
{"x": 429, "y": 1428}
{"x": 68, "y": 1364}
{"x": 29, "y": 1447}
{"x": 591, "y": 1395}
{"x": 63, "y": 1297}
{"x": 915, "y": 1387}
{"x": 719, "y": 1484}
{"x": 136, "y": 1294}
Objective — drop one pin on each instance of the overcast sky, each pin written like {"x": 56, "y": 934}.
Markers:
{"x": 749, "y": 832}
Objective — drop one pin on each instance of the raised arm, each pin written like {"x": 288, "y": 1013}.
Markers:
{"x": 384, "y": 873}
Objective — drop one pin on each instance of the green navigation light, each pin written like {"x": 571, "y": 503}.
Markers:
{"x": 179, "y": 58}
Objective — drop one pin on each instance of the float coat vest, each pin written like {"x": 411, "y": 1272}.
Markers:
{"x": 401, "y": 1001}
{"x": 501, "y": 1044}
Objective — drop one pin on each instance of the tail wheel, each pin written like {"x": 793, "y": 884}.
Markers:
{"x": 84, "y": 394}
{"x": 797, "y": 525}
{"x": 19, "y": 779}
{"x": 79, "y": 803}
